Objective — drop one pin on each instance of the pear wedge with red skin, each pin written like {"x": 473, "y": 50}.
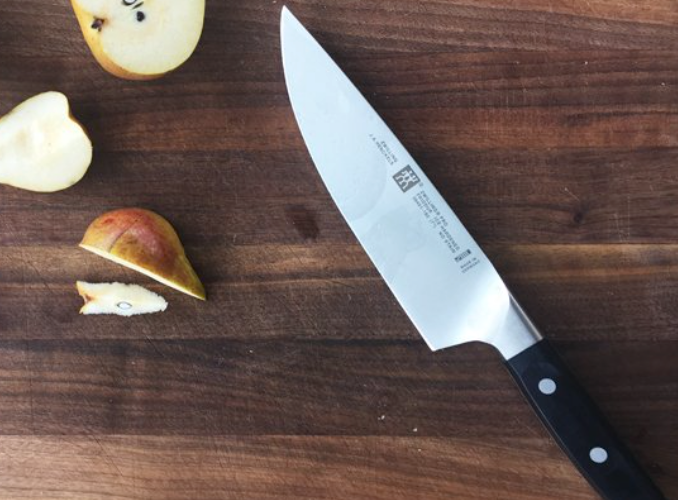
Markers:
{"x": 146, "y": 242}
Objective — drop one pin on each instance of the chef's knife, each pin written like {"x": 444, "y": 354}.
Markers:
{"x": 437, "y": 272}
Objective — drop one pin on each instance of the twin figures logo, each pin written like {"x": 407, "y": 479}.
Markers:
{"x": 406, "y": 179}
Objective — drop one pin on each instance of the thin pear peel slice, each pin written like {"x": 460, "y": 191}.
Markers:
{"x": 119, "y": 299}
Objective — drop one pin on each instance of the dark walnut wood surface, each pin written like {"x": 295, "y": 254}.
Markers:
{"x": 551, "y": 127}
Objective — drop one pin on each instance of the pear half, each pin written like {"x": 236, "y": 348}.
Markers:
{"x": 42, "y": 147}
{"x": 119, "y": 299}
{"x": 140, "y": 39}
{"x": 144, "y": 241}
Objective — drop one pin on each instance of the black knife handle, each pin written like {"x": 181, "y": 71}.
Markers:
{"x": 578, "y": 426}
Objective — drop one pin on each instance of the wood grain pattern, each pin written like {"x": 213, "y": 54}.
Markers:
{"x": 279, "y": 467}
{"x": 550, "y": 126}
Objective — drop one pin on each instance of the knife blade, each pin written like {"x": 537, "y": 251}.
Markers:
{"x": 438, "y": 273}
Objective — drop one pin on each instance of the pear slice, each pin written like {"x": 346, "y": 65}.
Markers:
{"x": 119, "y": 299}
{"x": 144, "y": 241}
{"x": 42, "y": 147}
{"x": 140, "y": 39}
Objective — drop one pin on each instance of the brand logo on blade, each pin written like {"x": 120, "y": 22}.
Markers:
{"x": 406, "y": 179}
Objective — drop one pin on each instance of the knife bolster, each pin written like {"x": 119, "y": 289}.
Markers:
{"x": 516, "y": 334}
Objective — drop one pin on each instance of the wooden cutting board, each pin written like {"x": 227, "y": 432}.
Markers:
{"x": 550, "y": 126}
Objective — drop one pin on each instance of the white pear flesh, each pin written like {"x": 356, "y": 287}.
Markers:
{"x": 147, "y": 38}
{"x": 119, "y": 299}
{"x": 42, "y": 148}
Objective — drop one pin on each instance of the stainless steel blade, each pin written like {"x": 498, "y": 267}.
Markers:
{"x": 435, "y": 269}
